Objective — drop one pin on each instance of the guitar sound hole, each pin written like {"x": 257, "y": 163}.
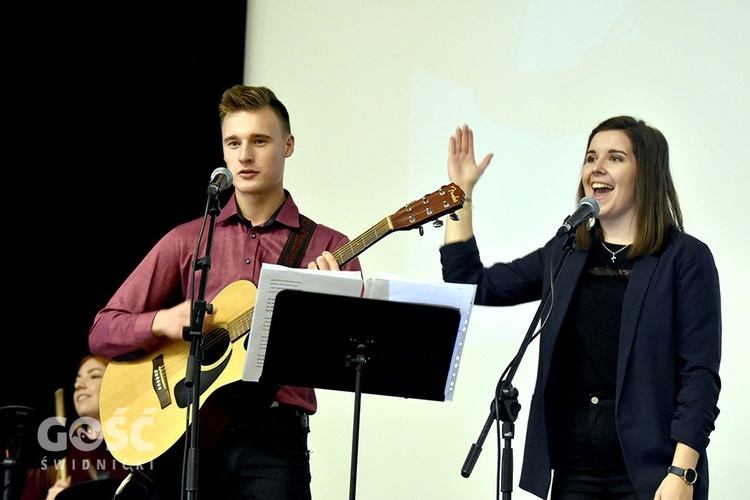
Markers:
{"x": 215, "y": 343}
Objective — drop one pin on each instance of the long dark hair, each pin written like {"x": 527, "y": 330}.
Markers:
{"x": 657, "y": 206}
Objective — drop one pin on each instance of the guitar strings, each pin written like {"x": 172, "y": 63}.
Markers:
{"x": 339, "y": 254}
{"x": 236, "y": 328}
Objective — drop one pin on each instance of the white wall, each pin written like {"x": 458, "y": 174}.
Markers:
{"x": 375, "y": 88}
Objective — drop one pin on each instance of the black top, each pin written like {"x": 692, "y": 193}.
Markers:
{"x": 585, "y": 357}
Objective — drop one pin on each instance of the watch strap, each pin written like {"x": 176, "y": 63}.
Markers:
{"x": 689, "y": 475}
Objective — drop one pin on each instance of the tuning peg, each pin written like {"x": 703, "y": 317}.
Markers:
{"x": 421, "y": 230}
{"x": 454, "y": 216}
{"x": 437, "y": 223}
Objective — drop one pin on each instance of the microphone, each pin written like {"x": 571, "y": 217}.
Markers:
{"x": 221, "y": 178}
{"x": 587, "y": 207}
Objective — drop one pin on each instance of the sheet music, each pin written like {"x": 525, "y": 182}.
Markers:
{"x": 275, "y": 278}
{"x": 394, "y": 288}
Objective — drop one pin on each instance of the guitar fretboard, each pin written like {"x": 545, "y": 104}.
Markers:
{"x": 360, "y": 243}
{"x": 240, "y": 325}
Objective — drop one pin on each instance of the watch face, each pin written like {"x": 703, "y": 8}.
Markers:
{"x": 691, "y": 476}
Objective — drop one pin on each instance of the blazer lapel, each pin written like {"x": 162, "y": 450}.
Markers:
{"x": 635, "y": 293}
{"x": 563, "y": 292}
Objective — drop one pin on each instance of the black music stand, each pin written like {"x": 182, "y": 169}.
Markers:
{"x": 19, "y": 426}
{"x": 404, "y": 349}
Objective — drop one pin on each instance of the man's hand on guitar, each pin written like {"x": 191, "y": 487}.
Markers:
{"x": 168, "y": 323}
{"x": 325, "y": 262}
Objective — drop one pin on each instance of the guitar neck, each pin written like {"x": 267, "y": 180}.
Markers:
{"x": 240, "y": 325}
{"x": 362, "y": 242}
{"x": 429, "y": 207}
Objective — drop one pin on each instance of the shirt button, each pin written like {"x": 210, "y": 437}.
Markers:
{"x": 247, "y": 261}
{"x": 253, "y": 235}
{"x": 594, "y": 400}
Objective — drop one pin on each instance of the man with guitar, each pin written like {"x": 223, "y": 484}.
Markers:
{"x": 253, "y": 438}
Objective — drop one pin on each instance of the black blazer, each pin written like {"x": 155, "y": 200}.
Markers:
{"x": 669, "y": 350}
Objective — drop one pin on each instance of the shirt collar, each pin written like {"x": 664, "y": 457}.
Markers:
{"x": 287, "y": 214}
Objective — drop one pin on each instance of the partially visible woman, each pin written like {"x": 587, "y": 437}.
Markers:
{"x": 628, "y": 376}
{"x": 87, "y": 459}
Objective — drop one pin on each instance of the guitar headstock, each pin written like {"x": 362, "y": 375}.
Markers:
{"x": 445, "y": 200}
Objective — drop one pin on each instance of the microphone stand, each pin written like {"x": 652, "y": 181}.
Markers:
{"x": 505, "y": 406}
{"x": 194, "y": 334}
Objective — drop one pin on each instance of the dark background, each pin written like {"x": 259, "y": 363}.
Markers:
{"x": 111, "y": 134}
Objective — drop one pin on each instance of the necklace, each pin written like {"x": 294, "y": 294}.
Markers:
{"x": 614, "y": 254}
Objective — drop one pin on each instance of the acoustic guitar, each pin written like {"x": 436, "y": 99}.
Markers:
{"x": 144, "y": 402}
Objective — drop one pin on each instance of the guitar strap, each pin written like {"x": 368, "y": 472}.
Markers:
{"x": 297, "y": 243}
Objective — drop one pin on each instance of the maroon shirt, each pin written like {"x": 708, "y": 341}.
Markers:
{"x": 163, "y": 279}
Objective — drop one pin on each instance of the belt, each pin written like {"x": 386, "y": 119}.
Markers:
{"x": 288, "y": 415}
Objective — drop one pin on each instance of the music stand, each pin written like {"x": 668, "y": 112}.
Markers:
{"x": 404, "y": 349}
{"x": 18, "y": 433}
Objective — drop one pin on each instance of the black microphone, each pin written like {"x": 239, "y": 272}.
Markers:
{"x": 587, "y": 207}
{"x": 221, "y": 178}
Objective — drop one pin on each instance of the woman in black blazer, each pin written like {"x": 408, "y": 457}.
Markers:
{"x": 630, "y": 344}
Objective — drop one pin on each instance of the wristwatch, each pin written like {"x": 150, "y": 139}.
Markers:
{"x": 690, "y": 476}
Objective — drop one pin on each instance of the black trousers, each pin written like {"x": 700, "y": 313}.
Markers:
{"x": 262, "y": 455}
{"x": 587, "y": 457}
